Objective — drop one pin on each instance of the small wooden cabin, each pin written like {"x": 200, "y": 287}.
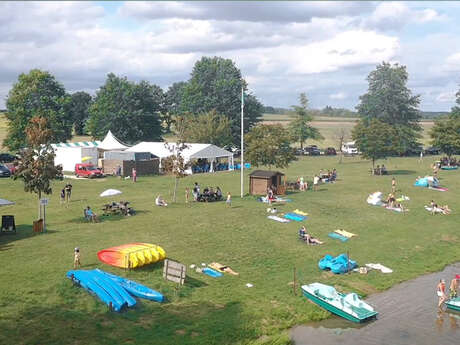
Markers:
{"x": 261, "y": 180}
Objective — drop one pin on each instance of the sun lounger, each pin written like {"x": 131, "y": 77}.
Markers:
{"x": 279, "y": 219}
{"x": 345, "y": 233}
{"x": 338, "y": 237}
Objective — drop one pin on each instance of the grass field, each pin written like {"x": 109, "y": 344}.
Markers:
{"x": 38, "y": 305}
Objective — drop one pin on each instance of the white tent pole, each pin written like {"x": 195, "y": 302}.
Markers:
{"x": 242, "y": 141}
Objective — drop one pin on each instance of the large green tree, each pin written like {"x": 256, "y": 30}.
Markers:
{"x": 455, "y": 112}
{"x": 300, "y": 127}
{"x": 390, "y": 101}
{"x": 216, "y": 83}
{"x": 79, "y": 110}
{"x": 130, "y": 110}
{"x": 173, "y": 100}
{"x": 269, "y": 145}
{"x": 374, "y": 138}
{"x": 37, "y": 94}
{"x": 207, "y": 128}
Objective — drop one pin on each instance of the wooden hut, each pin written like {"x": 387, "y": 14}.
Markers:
{"x": 261, "y": 180}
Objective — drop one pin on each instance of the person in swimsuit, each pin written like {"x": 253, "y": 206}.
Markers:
{"x": 453, "y": 288}
{"x": 393, "y": 185}
{"x": 76, "y": 258}
{"x": 441, "y": 292}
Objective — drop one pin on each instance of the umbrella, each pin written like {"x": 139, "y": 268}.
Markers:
{"x": 110, "y": 192}
{"x": 4, "y": 202}
{"x": 86, "y": 158}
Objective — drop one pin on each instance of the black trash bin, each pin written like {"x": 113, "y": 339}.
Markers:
{"x": 8, "y": 224}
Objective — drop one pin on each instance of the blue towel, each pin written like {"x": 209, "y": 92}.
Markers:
{"x": 295, "y": 216}
{"x": 212, "y": 273}
{"x": 338, "y": 236}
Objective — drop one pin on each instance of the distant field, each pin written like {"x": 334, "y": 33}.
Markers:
{"x": 328, "y": 126}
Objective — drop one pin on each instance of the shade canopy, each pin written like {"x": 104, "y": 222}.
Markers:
{"x": 110, "y": 192}
{"x": 111, "y": 143}
{"x": 4, "y": 202}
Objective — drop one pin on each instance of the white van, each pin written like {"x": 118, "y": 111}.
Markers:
{"x": 349, "y": 148}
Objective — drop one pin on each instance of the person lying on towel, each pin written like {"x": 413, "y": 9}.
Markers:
{"x": 307, "y": 237}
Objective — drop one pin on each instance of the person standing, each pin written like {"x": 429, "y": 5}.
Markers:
{"x": 62, "y": 195}
{"x": 393, "y": 185}
{"x": 421, "y": 157}
{"x": 68, "y": 191}
{"x": 118, "y": 171}
{"x": 441, "y": 292}
{"x": 76, "y": 258}
{"x": 134, "y": 174}
{"x": 453, "y": 288}
{"x": 229, "y": 199}
{"x": 315, "y": 182}
{"x": 187, "y": 194}
{"x": 302, "y": 186}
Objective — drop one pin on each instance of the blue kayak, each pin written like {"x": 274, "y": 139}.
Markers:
{"x": 114, "y": 289}
{"x": 212, "y": 273}
{"x": 85, "y": 280}
{"x": 134, "y": 288}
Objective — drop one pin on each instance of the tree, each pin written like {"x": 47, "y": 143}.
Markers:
{"x": 208, "y": 128}
{"x": 389, "y": 100}
{"x": 445, "y": 134}
{"x": 455, "y": 112}
{"x": 130, "y": 110}
{"x": 173, "y": 100}
{"x": 269, "y": 145}
{"x": 216, "y": 83}
{"x": 373, "y": 138}
{"x": 175, "y": 163}
{"x": 79, "y": 110}
{"x": 36, "y": 164}
{"x": 300, "y": 127}
{"x": 37, "y": 94}
{"x": 341, "y": 135}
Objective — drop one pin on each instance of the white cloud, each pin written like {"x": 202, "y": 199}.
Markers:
{"x": 338, "y": 95}
{"x": 446, "y": 97}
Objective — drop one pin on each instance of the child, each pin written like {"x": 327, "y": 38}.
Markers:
{"x": 187, "y": 193}
{"x": 229, "y": 199}
{"x": 76, "y": 259}
{"x": 62, "y": 196}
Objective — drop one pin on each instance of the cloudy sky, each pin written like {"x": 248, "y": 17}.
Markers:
{"x": 325, "y": 49}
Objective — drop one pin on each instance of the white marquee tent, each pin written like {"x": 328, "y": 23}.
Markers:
{"x": 193, "y": 151}
{"x": 69, "y": 154}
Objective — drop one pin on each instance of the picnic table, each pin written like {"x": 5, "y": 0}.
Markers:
{"x": 116, "y": 208}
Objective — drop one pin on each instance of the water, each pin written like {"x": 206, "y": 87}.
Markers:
{"x": 408, "y": 315}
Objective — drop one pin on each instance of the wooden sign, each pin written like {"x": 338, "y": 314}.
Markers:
{"x": 174, "y": 271}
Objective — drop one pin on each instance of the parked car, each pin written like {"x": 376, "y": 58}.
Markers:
{"x": 432, "y": 151}
{"x": 4, "y": 171}
{"x": 87, "y": 170}
{"x": 312, "y": 150}
{"x": 7, "y": 158}
{"x": 299, "y": 152}
{"x": 330, "y": 151}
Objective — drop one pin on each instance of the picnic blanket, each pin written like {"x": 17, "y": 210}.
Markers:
{"x": 338, "y": 236}
{"x": 380, "y": 267}
{"x": 345, "y": 233}
{"x": 300, "y": 212}
{"x": 295, "y": 216}
{"x": 222, "y": 268}
{"x": 279, "y": 219}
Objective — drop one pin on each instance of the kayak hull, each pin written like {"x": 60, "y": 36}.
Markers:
{"x": 132, "y": 255}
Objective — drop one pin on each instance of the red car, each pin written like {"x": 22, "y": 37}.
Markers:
{"x": 87, "y": 170}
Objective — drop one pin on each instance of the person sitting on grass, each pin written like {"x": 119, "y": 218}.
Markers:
{"x": 305, "y": 236}
{"x": 159, "y": 201}
{"x": 90, "y": 215}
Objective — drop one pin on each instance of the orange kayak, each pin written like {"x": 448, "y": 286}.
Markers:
{"x": 132, "y": 255}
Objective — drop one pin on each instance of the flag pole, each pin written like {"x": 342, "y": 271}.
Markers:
{"x": 242, "y": 141}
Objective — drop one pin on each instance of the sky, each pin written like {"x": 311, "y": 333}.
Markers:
{"x": 325, "y": 49}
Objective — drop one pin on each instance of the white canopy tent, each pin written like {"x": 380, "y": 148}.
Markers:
{"x": 193, "y": 151}
{"x": 112, "y": 143}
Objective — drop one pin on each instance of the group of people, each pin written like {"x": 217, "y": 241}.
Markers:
{"x": 435, "y": 208}
{"x": 209, "y": 194}
{"x": 441, "y": 290}
{"x": 445, "y": 161}
{"x": 306, "y": 237}
{"x": 66, "y": 193}
{"x": 381, "y": 170}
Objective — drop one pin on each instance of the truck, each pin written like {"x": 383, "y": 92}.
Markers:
{"x": 349, "y": 148}
{"x": 87, "y": 170}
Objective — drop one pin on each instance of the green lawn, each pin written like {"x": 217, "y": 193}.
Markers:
{"x": 38, "y": 305}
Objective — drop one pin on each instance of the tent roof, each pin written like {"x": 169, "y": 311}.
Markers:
{"x": 78, "y": 144}
{"x": 193, "y": 151}
{"x": 111, "y": 143}
{"x": 4, "y": 202}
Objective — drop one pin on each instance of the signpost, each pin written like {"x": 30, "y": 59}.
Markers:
{"x": 174, "y": 271}
{"x": 44, "y": 203}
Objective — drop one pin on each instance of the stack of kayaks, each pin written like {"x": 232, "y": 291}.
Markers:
{"x": 132, "y": 255}
{"x": 115, "y": 291}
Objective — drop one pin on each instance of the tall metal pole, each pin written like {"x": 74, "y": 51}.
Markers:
{"x": 242, "y": 141}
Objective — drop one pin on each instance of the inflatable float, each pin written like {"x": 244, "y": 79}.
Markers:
{"x": 132, "y": 255}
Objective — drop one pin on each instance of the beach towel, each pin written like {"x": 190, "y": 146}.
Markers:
{"x": 396, "y": 209}
{"x": 436, "y": 209}
{"x": 277, "y": 199}
{"x": 279, "y": 219}
{"x": 212, "y": 273}
{"x": 338, "y": 236}
{"x": 222, "y": 268}
{"x": 295, "y": 216}
{"x": 345, "y": 233}
{"x": 380, "y": 267}
{"x": 300, "y": 212}
{"x": 402, "y": 198}
{"x": 439, "y": 189}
